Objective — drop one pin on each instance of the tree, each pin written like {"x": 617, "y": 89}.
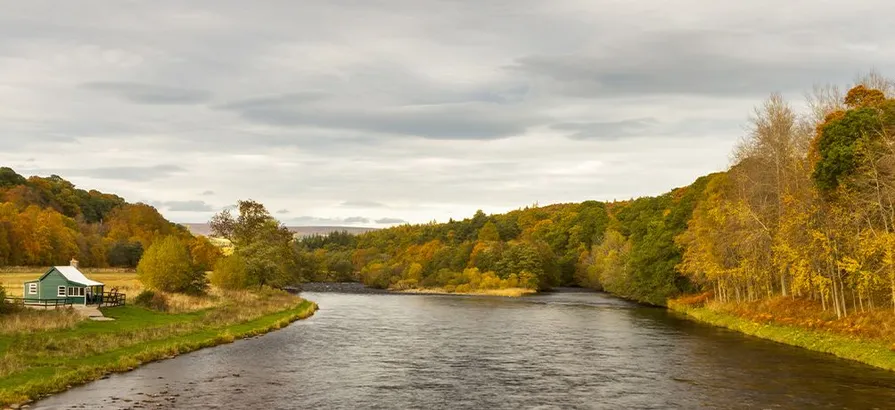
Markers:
{"x": 230, "y": 273}
{"x": 489, "y": 232}
{"x": 263, "y": 243}
{"x": 125, "y": 254}
{"x": 166, "y": 266}
{"x": 204, "y": 254}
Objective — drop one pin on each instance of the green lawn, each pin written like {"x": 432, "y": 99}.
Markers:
{"x": 36, "y": 364}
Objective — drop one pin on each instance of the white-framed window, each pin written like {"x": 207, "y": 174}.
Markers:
{"x": 80, "y": 291}
{"x": 32, "y": 288}
{"x": 60, "y": 291}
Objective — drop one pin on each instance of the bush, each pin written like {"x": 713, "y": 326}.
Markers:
{"x": 167, "y": 266}
{"x": 230, "y": 273}
{"x": 152, "y": 300}
{"x": 4, "y": 307}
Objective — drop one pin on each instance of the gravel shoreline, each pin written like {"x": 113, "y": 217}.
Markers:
{"x": 359, "y": 288}
{"x": 344, "y": 287}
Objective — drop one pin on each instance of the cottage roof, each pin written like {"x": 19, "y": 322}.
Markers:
{"x": 74, "y": 275}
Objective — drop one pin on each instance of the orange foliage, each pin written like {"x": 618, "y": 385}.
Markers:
{"x": 861, "y": 96}
{"x": 878, "y": 324}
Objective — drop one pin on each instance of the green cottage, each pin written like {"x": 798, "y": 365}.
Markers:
{"x": 65, "y": 282}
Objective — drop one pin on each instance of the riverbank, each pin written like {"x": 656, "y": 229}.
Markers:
{"x": 359, "y": 288}
{"x": 850, "y": 338}
{"x": 509, "y": 292}
{"x": 39, "y": 363}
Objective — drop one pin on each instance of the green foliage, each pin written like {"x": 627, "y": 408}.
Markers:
{"x": 230, "y": 273}
{"x": 125, "y": 254}
{"x": 489, "y": 232}
{"x": 264, "y": 245}
{"x": 167, "y": 266}
{"x": 838, "y": 146}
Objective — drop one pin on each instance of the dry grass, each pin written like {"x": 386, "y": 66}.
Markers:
{"x": 26, "y": 320}
{"x": 509, "y": 292}
{"x": 13, "y": 280}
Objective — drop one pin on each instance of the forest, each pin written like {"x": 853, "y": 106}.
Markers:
{"x": 806, "y": 210}
{"x": 48, "y": 221}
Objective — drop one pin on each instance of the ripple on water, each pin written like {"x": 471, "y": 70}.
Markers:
{"x": 562, "y": 350}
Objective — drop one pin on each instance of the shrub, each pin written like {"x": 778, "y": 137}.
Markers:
{"x": 167, "y": 266}
{"x": 230, "y": 273}
{"x": 152, "y": 300}
{"x": 4, "y": 307}
{"x": 464, "y": 288}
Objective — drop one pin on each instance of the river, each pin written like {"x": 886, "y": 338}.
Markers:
{"x": 550, "y": 351}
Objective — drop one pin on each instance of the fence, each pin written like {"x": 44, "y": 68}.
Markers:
{"x": 45, "y": 303}
{"x": 113, "y": 299}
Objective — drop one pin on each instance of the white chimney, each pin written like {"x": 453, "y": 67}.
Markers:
{"x": 74, "y": 262}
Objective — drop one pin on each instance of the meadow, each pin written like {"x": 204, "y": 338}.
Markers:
{"x": 126, "y": 281}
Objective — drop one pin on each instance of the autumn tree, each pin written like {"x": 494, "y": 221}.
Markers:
{"x": 263, "y": 243}
{"x": 167, "y": 266}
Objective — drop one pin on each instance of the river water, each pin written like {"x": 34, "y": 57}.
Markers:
{"x": 551, "y": 351}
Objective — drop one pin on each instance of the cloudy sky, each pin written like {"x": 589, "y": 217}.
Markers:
{"x": 373, "y": 112}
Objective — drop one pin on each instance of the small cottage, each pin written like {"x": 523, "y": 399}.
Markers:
{"x": 65, "y": 282}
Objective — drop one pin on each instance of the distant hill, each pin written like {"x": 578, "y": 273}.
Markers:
{"x": 205, "y": 229}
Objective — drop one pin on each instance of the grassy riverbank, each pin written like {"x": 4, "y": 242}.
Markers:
{"x": 865, "y": 338}
{"x": 34, "y": 363}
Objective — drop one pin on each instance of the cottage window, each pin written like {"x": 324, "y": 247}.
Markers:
{"x": 32, "y": 288}
{"x": 80, "y": 291}
{"x": 61, "y": 291}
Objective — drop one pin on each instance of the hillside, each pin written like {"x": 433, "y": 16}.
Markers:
{"x": 48, "y": 221}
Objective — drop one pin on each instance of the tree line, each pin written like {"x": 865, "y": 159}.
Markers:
{"x": 806, "y": 210}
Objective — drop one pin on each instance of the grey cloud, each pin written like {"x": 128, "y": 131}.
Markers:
{"x": 647, "y": 127}
{"x": 390, "y": 221}
{"x": 296, "y": 98}
{"x": 697, "y": 62}
{"x": 127, "y": 173}
{"x": 208, "y": 193}
{"x": 361, "y": 204}
{"x": 184, "y": 206}
{"x": 283, "y": 211}
{"x": 357, "y": 220}
{"x": 150, "y": 94}
{"x": 607, "y": 130}
{"x": 274, "y": 101}
{"x": 461, "y": 121}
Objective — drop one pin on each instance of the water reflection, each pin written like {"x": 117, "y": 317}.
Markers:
{"x": 565, "y": 350}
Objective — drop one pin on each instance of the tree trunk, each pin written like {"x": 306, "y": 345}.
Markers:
{"x": 892, "y": 277}
{"x": 783, "y": 284}
{"x": 836, "y": 301}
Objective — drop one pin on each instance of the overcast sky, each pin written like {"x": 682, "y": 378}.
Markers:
{"x": 373, "y": 112}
